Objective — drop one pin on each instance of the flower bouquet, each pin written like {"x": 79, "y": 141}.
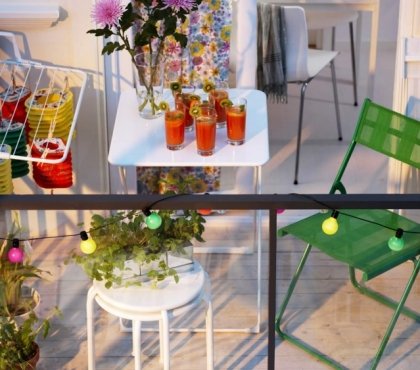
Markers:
{"x": 153, "y": 21}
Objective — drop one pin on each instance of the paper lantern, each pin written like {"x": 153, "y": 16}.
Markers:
{"x": 51, "y": 176}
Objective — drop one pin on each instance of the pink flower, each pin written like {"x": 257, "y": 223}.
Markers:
{"x": 107, "y": 12}
{"x": 186, "y": 5}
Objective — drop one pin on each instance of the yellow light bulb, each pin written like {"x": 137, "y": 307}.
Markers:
{"x": 330, "y": 225}
{"x": 87, "y": 245}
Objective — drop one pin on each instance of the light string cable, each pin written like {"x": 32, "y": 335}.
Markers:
{"x": 336, "y": 212}
{"x": 146, "y": 211}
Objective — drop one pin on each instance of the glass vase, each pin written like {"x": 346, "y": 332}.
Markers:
{"x": 149, "y": 79}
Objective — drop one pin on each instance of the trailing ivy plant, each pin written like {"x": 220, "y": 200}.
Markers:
{"x": 124, "y": 236}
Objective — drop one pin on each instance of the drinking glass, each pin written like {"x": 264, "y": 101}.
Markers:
{"x": 236, "y": 121}
{"x": 184, "y": 101}
{"x": 205, "y": 130}
{"x": 215, "y": 97}
{"x": 174, "y": 129}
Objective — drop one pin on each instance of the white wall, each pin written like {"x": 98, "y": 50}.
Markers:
{"x": 66, "y": 44}
{"x": 388, "y": 23}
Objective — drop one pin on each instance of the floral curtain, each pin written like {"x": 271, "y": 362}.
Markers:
{"x": 206, "y": 57}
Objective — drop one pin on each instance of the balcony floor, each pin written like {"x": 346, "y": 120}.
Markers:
{"x": 327, "y": 312}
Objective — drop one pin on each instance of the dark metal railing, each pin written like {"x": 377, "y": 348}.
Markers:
{"x": 270, "y": 202}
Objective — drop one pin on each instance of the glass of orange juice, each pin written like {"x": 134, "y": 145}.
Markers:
{"x": 215, "y": 97}
{"x": 236, "y": 121}
{"x": 184, "y": 101}
{"x": 174, "y": 129}
{"x": 205, "y": 129}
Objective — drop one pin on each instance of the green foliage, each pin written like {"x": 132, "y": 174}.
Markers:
{"x": 12, "y": 277}
{"x": 124, "y": 236}
{"x": 17, "y": 339}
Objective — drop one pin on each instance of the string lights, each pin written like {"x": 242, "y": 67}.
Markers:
{"x": 15, "y": 254}
{"x": 153, "y": 221}
{"x": 330, "y": 225}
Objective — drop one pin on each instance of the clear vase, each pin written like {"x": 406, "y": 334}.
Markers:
{"x": 149, "y": 83}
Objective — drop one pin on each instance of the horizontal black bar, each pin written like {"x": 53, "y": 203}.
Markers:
{"x": 213, "y": 201}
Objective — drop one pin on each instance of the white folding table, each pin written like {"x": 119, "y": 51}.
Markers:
{"x": 137, "y": 142}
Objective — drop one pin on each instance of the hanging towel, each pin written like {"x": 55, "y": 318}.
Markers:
{"x": 271, "y": 41}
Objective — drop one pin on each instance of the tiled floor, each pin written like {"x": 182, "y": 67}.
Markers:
{"x": 346, "y": 325}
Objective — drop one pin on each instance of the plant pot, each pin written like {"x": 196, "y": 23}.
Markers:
{"x": 149, "y": 79}
{"x": 180, "y": 262}
{"x": 31, "y": 363}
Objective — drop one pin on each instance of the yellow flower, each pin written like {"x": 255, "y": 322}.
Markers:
{"x": 213, "y": 47}
{"x": 196, "y": 49}
{"x": 205, "y": 29}
{"x": 198, "y": 186}
{"x": 208, "y": 18}
{"x": 214, "y": 4}
{"x": 225, "y": 33}
{"x": 215, "y": 71}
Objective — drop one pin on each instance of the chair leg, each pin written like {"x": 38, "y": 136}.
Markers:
{"x": 353, "y": 63}
{"x": 396, "y": 314}
{"x": 290, "y": 290}
{"x": 386, "y": 301}
{"x": 290, "y": 338}
{"x": 137, "y": 344}
{"x": 337, "y": 106}
{"x": 90, "y": 329}
{"x": 299, "y": 135}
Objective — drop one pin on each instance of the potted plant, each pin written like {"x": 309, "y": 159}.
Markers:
{"x": 130, "y": 247}
{"x": 18, "y": 346}
{"x": 15, "y": 270}
{"x": 130, "y": 250}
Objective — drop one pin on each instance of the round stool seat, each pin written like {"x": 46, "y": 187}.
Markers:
{"x": 146, "y": 303}
{"x": 143, "y": 299}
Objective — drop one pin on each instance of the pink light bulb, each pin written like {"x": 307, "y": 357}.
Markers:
{"x": 15, "y": 255}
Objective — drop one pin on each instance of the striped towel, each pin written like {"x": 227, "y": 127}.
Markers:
{"x": 271, "y": 41}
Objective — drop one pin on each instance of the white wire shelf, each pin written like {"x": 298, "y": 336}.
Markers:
{"x": 39, "y": 106}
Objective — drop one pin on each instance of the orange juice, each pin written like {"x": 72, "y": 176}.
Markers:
{"x": 184, "y": 101}
{"x": 205, "y": 130}
{"x": 215, "y": 97}
{"x": 235, "y": 121}
{"x": 174, "y": 129}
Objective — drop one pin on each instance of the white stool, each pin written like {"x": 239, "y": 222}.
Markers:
{"x": 142, "y": 303}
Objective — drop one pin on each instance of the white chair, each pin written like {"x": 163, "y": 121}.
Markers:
{"x": 303, "y": 64}
{"x": 143, "y": 303}
{"x": 323, "y": 19}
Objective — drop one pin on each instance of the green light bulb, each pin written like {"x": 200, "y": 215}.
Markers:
{"x": 153, "y": 221}
{"x": 396, "y": 242}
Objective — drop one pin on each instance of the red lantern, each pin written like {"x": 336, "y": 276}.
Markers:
{"x": 51, "y": 176}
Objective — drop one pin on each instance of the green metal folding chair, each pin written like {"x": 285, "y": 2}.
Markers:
{"x": 362, "y": 238}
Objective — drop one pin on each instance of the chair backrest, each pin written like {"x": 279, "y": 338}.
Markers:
{"x": 296, "y": 44}
{"x": 385, "y": 131}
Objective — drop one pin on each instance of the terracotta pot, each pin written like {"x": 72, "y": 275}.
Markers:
{"x": 31, "y": 363}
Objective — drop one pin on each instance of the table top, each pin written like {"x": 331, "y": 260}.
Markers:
{"x": 140, "y": 142}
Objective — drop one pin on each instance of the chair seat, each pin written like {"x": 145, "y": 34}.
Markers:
{"x": 318, "y": 59}
{"x": 367, "y": 248}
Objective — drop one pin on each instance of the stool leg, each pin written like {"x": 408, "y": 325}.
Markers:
{"x": 90, "y": 329}
{"x": 209, "y": 336}
{"x": 165, "y": 339}
{"x": 137, "y": 344}
{"x": 161, "y": 349}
